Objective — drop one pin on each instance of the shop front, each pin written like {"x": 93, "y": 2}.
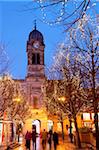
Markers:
{"x": 7, "y": 132}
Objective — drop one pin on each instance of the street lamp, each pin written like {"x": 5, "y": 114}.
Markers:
{"x": 17, "y": 99}
{"x": 63, "y": 98}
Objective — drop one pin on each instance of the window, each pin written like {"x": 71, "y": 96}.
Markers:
{"x": 35, "y": 102}
{"x": 86, "y": 116}
{"x": 35, "y": 58}
{"x": 38, "y": 58}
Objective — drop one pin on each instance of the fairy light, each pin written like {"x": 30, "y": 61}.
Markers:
{"x": 44, "y": 15}
{"x": 63, "y": 4}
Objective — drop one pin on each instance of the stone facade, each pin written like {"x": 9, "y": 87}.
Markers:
{"x": 34, "y": 79}
{"x": 32, "y": 84}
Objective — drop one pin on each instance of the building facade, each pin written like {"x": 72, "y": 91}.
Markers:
{"x": 33, "y": 82}
{"x": 32, "y": 85}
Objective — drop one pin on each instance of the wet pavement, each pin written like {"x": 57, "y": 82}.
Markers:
{"x": 66, "y": 145}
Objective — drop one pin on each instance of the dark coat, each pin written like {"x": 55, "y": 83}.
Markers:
{"x": 34, "y": 136}
{"x": 55, "y": 138}
{"x": 28, "y": 136}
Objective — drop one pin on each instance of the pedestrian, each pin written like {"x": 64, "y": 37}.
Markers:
{"x": 34, "y": 138}
{"x": 8, "y": 148}
{"x": 44, "y": 138}
{"x": 55, "y": 140}
{"x": 50, "y": 139}
{"x": 28, "y": 139}
{"x": 70, "y": 134}
{"x": 18, "y": 136}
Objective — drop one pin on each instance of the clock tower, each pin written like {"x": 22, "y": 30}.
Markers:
{"x": 35, "y": 54}
{"x": 35, "y": 68}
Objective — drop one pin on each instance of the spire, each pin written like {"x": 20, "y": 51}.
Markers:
{"x": 35, "y": 24}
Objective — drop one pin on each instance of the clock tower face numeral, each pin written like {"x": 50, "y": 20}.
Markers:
{"x": 36, "y": 44}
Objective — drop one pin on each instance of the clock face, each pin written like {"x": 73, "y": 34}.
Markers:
{"x": 36, "y": 45}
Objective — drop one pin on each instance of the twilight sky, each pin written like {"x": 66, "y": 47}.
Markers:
{"x": 15, "y": 25}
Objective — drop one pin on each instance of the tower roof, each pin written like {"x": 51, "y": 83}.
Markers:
{"x": 36, "y": 35}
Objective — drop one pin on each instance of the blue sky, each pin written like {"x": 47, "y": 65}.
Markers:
{"x": 15, "y": 26}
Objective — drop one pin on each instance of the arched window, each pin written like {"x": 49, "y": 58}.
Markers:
{"x": 35, "y": 102}
{"x": 38, "y": 58}
{"x": 35, "y": 58}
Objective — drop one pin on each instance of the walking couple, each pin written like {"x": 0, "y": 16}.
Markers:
{"x": 28, "y": 138}
{"x": 48, "y": 137}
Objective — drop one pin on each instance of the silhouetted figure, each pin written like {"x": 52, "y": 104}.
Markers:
{"x": 70, "y": 134}
{"x": 44, "y": 138}
{"x": 34, "y": 139}
{"x": 50, "y": 139}
{"x": 8, "y": 148}
{"x": 28, "y": 139}
{"x": 55, "y": 140}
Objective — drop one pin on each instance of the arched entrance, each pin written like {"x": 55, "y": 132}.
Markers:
{"x": 37, "y": 125}
{"x": 50, "y": 125}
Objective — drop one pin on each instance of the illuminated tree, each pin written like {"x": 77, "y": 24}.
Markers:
{"x": 85, "y": 42}
{"x": 81, "y": 51}
{"x": 12, "y": 104}
{"x": 76, "y": 65}
{"x": 67, "y": 94}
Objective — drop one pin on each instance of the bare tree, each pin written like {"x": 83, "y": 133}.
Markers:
{"x": 13, "y": 104}
{"x": 70, "y": 87}
{"x": 52, "y": 105}
{"x": 67, "y": 12}
{"x": 82, "y": 44}
{"x": 84, "y": 40}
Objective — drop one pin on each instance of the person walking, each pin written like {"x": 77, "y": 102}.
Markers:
{"x": 50, "y": 139}
{"x": 70, "y": 134}
{"x": 34, "y": 139}
{"x": 44, "y": 138}
{"x": 28, "y": 139}
{"x": 55, "y": 140}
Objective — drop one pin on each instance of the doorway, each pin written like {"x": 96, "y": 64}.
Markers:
{"x": 37, "y": 124}
{"x": 50, "y": 125}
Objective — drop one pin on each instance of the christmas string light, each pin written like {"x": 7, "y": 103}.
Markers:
{"x": 63, "y": 4}
{"x": 58, "y": 19}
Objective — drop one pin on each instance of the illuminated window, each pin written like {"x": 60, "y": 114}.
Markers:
{"x": 59, "y": 127}
{"x": 86, "y": 116}
{"x": 50, "y": 125}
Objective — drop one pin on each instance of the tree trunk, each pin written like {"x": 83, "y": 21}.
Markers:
{"x": 77, "y": 133}
{"x": 71, "y": 135}
{"x": 97, "y": 130}
{"x": 62, "y": 130}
